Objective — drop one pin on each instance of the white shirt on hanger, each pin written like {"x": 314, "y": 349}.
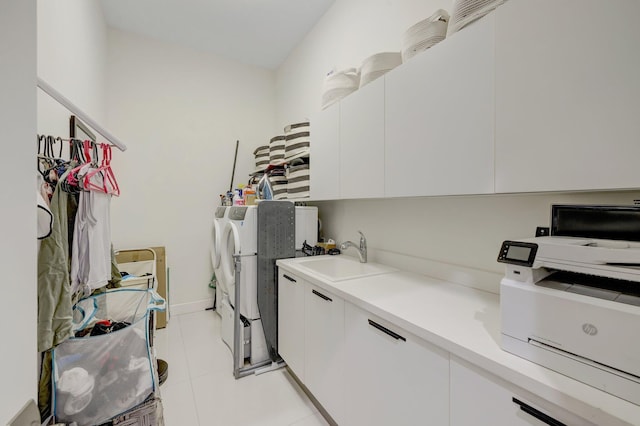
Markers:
{"x": 91, "y": 250}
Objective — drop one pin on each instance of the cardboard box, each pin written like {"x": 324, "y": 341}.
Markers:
{"x": 142, "y": 255}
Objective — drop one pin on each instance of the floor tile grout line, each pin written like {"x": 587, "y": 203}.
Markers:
{"x": 193, "y": 395}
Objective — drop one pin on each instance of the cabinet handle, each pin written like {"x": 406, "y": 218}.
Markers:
{"x": 289, "y": 278}
{"x": 322, "y": 296}
{"x": 538, "y": 414}
{"x": 386, "y": 331}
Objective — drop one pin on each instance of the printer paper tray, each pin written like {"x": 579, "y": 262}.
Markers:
{"x": 609, "y": 380}
{"x": 586, "y": 361}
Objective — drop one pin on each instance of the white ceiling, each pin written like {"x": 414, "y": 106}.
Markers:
{"x": 256, "y": 32}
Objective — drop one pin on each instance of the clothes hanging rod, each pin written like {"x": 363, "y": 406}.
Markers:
{"x": 58, "y": 138}
{"x": 46, "y": 87}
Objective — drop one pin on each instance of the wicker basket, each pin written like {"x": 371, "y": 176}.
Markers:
{"x": 467, "y": 11}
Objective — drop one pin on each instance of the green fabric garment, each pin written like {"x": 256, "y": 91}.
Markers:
{"x": 54, "y": 300}
{"x": 44, "y": 387}
{"x": 116, "y": 276}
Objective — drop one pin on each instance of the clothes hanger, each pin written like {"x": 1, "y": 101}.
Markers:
{"x": 72, "y": 176}
{"x": 109, "y": 183}
{"x": 53, "y": 165}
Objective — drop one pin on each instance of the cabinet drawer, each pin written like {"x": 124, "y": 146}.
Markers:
{"x": 480, "y": 398}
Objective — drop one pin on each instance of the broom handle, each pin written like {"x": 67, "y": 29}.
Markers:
{"x": 233, "y": 172}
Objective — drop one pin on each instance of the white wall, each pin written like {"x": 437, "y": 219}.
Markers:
{"x": 180, "y": 112}
{"x": 455, "y": 238}
{"x": 72, "y": 51}
{"x": 18, "y": 304}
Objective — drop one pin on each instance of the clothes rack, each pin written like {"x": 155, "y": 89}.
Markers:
{"x": 47, "y": 88}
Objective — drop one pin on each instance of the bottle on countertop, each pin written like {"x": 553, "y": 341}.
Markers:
{"x": 249, "y": 195}
{"x": 237, "y": 198}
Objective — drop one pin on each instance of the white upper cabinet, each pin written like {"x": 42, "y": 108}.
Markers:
{"x": 324, "y": 154}
{"x": 362, "y": 142}
{"x": 439, "y": 117}
{"x": 567, "y": 95}
{"x": 535, "y": 96}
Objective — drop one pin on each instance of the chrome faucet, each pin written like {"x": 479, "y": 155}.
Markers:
{"x": 362, "y": 249}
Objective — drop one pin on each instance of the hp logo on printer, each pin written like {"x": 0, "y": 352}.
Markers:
{"x": 590, "y": 329}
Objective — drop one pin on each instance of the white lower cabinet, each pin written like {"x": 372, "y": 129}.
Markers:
{"x": 366, "y": 371}
{"x": 391, "y": 376}
{"x": 291, "y": 321}
{"x": 324, "y": 349}
{"x": 480, "y": 398}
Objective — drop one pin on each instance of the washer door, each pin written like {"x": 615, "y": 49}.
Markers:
{"x": 215, "y": 244}
{"x": 229, "y": 246}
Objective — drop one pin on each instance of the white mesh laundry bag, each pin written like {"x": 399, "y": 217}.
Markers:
{"x": 110, "y": 369}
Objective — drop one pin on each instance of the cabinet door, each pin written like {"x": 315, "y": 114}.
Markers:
{"x": 439, "y": 117}
{"x": 324, "y": 160}
{"x": 567, "y": 100}
{"x": 479, "y": 398}
{"x": 392, "y": 377}
{"x": 362, "y": 142}
{"x": 291, "y": 321}
{"x": 324, "y": 349}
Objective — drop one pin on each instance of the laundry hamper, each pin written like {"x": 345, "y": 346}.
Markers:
{"x": 97, "y": 377}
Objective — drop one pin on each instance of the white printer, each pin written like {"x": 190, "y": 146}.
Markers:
{"x": 572, "y": 302}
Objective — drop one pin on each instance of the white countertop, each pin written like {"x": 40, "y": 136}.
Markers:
{"x": 466, "y": 322}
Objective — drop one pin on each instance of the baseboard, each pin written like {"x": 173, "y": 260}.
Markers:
{"x": 312, "y": 398}
{"x": 190, "y": 307}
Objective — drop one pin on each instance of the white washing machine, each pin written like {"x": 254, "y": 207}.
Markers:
{"x": 219, "y": 222}
{"x": 240, "y": 236}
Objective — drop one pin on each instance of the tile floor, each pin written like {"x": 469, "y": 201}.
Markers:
{"x": 201, "y": 390}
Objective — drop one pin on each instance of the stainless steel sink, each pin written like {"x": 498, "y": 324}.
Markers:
{"x": 340, "y": 268}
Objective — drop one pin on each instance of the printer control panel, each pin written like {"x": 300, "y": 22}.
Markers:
{"x": 518, "y": 253}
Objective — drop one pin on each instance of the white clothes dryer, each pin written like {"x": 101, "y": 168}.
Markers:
{"x": 240, "y": 237}
{"x": 219, "y": 222}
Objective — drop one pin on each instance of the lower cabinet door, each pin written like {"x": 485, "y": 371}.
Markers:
{"x": 324, "y": 350}
{"x": 392, "y": 377}
{"x": 291, "y": 321}
{"x": 480, "y": 398}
